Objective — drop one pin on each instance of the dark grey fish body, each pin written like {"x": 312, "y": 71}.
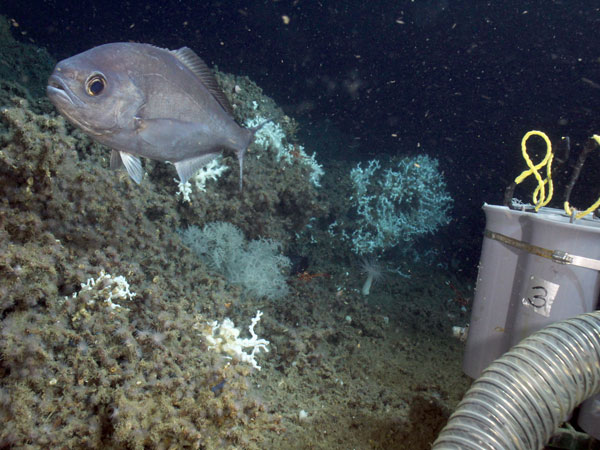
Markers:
{"x": 142, "y": 100}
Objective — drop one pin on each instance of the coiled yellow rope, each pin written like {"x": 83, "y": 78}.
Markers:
{"x": 569, "y": 210}
{"x": 539, "y": 195}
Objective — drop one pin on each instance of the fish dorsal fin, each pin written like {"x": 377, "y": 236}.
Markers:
{"x": 202, "y": 71}
{"x": 187, "y": 168}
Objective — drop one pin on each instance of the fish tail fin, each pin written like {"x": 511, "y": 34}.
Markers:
{"x": 242, "y": 152}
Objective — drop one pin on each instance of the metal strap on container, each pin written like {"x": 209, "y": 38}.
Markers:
{"x": 558, "y": 256}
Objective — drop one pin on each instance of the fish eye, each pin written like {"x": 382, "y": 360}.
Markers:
{"x": 95, "y": 84}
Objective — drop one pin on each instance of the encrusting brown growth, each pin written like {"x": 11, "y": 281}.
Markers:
{"x": 139, "y": 376}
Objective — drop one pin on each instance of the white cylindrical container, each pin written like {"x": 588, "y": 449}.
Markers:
{"x": 521, "y": 288}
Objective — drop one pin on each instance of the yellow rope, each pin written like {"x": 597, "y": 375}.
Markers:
{"x": 569, "y": 210}
{"x": 539, "y": 195}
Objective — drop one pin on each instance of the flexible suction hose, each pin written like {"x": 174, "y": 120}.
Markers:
{"x": 521, "y": 398}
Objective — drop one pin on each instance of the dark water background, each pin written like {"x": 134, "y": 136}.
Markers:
{"x": 460, "y": 80}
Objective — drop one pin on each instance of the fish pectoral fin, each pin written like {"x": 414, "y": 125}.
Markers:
{"x": 115, "y": 160}
{"x": 188, "y": 167}
{"x": 132, "y": 164}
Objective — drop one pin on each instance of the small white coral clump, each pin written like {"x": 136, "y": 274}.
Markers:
{"x": 271, "y": 135}
{"x": 108, "y": 288}
{"x": 212, "y": 171}
{"x": 224, "y": 338}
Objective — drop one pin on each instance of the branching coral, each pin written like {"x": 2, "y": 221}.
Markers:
{"x": 397, "y": 204}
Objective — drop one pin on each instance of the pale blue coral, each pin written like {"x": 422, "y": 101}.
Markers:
{"x": 397, "y": 204}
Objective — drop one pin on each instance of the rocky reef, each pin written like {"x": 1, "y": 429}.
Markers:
{"x": 85, "y": 363}
{"x": 75, "y": 372}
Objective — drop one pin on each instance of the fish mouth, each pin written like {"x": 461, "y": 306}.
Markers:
{"x": 59, "y": 93}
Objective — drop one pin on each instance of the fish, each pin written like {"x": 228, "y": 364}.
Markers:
{"x": 144, "y": 101}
